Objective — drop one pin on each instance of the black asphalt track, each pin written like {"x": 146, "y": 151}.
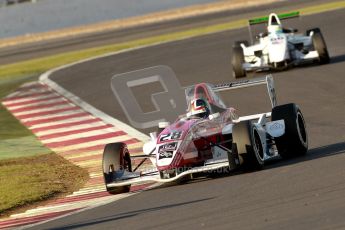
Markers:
{"x": 302, "y": 193}
{"x": 50, "y": 47}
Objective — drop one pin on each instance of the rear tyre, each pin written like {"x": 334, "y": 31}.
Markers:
{"x": 248, "y": 143}
{"x": 320, "y": 45}
{"x": 315, "y": 30}
{"x": 238, "y": 43}
{"x": 116, "y": 160}
{"x": 295, "y": 140}
{"x": 238, "y": 60}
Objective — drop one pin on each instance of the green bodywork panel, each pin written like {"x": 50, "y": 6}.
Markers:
{"x": 280, "y": 16}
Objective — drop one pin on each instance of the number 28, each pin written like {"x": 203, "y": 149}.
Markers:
{"x": 171, "y": 136}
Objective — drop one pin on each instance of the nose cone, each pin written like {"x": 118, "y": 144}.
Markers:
{"x": 274, "y": 29}
{"x": 278, "y": 49}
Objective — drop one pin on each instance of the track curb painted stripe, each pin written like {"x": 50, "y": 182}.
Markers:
{"x": 88, "y": 107}
{"x": 44, "y": 78}
{"x": 81, "y": 144}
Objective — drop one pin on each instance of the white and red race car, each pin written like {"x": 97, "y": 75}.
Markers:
{"x": 210, "y": 137}
{"x": 278, "y": 47}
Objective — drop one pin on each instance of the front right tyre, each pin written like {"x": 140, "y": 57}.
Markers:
{"x": 116, "y": 160}
{"x": 320, "y": 45}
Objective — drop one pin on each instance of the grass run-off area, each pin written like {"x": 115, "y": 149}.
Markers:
{"x": 27, "y": 180}
{"x": 16, "y": 140}
{"x": 29, "y": 172}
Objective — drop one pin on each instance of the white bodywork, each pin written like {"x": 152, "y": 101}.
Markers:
{"x": 278, "y": 48}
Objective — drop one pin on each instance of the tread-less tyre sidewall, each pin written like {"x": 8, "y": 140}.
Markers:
{"x": 238, "y": 43}
{"x": 320, "y": 46}
{"x": 257, "y": 146}
{"x": 315, "y": 30}
{"x": 114, "y": 154}
{"x": 237, "y": 62}
{"x": 295, "y": 140}
{"x": 243, "y": 134}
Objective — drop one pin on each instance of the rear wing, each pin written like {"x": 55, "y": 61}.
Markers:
{"x": 268, "y": 81}
{"x": 264, "y": 19}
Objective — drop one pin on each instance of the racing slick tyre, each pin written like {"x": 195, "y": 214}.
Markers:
{"x": 315, "y": 30}
{"x": 116, "y": 159}
{"x": 238, "y": 43}
{"x": 320, "y": 45}
{"x": 237, "y": 61}
{"x": 248, "y": 144}
{"x": 295, "y": 140}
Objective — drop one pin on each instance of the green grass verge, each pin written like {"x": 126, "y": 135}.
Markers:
{"x": 32, "y": 173}
{"x": 43, "y": 176}
{"x": 31, "y": 179}
{"x": 16, "y": 140}
{"x": 43, "y": 64}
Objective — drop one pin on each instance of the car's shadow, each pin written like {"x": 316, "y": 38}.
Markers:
{"x": 334, "y": 60}
{"x": 337, "y": 59}
{"x": 313, "y": 154}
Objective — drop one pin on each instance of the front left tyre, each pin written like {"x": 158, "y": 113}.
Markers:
{"x": 238, "y": 60}
{"x": 247, "y": 141}
{"x": 116, "y": 161}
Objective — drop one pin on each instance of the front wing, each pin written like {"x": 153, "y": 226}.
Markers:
{"x": 254, "y": 63}
{"x": 129, "y": 178}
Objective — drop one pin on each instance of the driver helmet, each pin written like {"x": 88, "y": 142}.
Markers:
{"x": 198, "y": 108}
{"x": 274, "y": 29}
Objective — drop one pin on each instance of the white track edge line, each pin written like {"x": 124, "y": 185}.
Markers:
{"x": 105, "y": 202}
{"x": 44, "y": 78}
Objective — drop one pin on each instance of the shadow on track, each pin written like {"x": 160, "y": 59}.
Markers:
{"x": 127, "y": 215}
{"x": 337, "y": 59}
{"x": 313, "y": 154}
{"x": 334, "y": 60}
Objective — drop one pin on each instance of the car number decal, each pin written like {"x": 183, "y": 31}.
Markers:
{"x": 171, "y": 136}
